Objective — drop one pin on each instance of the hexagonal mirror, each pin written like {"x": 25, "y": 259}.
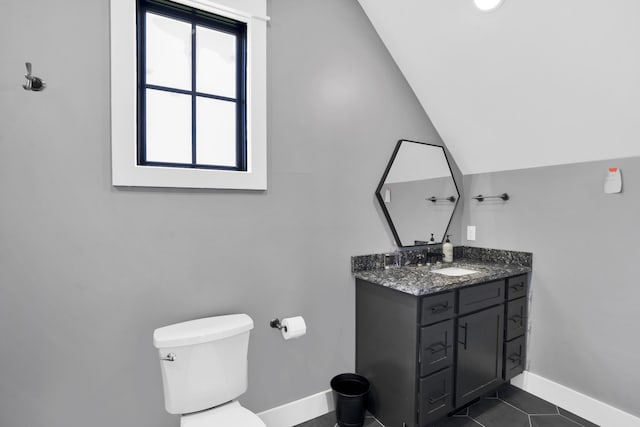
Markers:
{"x": 418, "y": 193}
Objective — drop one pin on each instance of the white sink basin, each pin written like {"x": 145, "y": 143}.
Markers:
{"x": 454, "y": 271}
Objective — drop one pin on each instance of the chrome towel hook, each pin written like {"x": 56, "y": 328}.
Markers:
{"x": 34, "y": 83}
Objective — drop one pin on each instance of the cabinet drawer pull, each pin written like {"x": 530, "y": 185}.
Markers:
{"x": 433, "y": 400}
{"x": 438, "y": 347}
{"x": 516, "y": 318}
{"x": 515, "y": 358}
{"x": 440, "y": 308}
{"x": 464, "y": 343}
{"x": 517, "y": 286}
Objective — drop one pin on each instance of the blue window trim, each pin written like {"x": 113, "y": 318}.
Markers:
{"x": 208, "y": 20}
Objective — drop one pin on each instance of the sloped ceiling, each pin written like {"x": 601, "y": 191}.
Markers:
{"x": 533, "y": 83}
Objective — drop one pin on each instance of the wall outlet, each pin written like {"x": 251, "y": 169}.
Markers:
{"x": 471, "y": 232}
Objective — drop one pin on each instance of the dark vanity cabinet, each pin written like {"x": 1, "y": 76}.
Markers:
{"x": 426, "y": 356}
{"x": 516, "y": 326}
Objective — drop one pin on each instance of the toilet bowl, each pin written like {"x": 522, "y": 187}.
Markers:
{"x": 204, "y": 370}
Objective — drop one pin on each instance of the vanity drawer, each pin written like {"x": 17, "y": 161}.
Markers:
{"x": 436, "y": 347}
{"x": 516, "y": 287}
{"x": 481, "y": 296}
{"x": 436, "y": 308}
{"x": 514, "y": 357}
{"x": 516, "y": 318}
{"x": 436, "y": 396}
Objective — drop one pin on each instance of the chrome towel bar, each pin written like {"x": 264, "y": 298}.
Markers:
{"x": 435, "y": 199}
{"x": 481, "y": 198}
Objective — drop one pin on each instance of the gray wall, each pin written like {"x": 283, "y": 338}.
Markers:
{"x": 585, "y": 289}
{"x": 88, "y": 271}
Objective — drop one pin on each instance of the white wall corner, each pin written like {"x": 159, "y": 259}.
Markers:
{"x": 573, "y": 401}
{"x": 299, "y": 411}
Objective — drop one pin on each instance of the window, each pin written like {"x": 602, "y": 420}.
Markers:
{"x": 188, "y": 95}
{"x": 191, "y": 88}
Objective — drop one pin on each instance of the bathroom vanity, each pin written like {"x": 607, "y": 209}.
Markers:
{"x": 431, "y": 344}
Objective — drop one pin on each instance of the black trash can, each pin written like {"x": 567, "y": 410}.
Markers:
{"x": 350, "y": 393}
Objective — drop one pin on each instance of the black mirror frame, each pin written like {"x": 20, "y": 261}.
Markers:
{"x": 384, "y": 177}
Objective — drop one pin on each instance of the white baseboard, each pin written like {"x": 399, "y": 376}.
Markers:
{"x": 299, "y": 411}
{"x": 580, "y": 404}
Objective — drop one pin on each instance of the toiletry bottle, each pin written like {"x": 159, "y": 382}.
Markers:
{"x": 447, "y": 250}
{"x": 432, "y": 240}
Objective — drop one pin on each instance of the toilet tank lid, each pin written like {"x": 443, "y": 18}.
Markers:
{"x": 201, "y": 330}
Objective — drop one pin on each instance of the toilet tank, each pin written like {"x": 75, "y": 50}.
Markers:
{"x": 209, "y": 365}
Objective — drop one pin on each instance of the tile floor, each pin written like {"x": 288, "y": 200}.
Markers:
{"x": 508, "y": 407}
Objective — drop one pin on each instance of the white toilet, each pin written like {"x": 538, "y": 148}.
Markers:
{"x": 204, "y": 369}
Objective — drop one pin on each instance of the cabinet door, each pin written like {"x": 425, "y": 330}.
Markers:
{"x": 436, "y": 347}
{"x": 516, "y": 318}
{"x": 437, "y": 308}
{"x": 479, "y": 357}
{"x": 514, "y": 357}
{"x": 478, "y": 297}
{"x": 436, "y": 397}
{"x": 516, "y": 287}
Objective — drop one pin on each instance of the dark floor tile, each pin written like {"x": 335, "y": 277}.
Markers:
{"x": 551, "y": 421}
{"x": 455, "y": 421}
{"x": 370, "y": 421}
{"x": 508, "y": 410}
{"x": 329, "y": 420}
{"x": 494, "y": 412}
{"x": 525, "y": 401}
{"x": 576, "y": 418}
{"x": 464, "y": 411}
{"x": 326, "y": 420}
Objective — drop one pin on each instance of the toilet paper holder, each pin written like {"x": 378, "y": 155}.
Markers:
{"x": 275, "y": 323}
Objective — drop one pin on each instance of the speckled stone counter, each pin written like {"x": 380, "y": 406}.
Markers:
{"x": 490, "y": 264}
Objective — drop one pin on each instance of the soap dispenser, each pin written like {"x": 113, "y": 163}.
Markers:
{"x": 447, "y": 250}
{"x": 432, "y": 240}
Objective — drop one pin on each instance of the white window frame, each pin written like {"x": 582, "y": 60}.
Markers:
{"x": 124, "y": 168}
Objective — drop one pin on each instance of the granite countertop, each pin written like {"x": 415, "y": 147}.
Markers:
{"x": 490, "y": 264}
{"x": 419, "y": 281}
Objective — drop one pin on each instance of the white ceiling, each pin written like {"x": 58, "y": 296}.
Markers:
{"x": 533, "y": 83}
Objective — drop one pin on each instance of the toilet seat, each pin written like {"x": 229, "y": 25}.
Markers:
{"x": 228, "y": 415}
